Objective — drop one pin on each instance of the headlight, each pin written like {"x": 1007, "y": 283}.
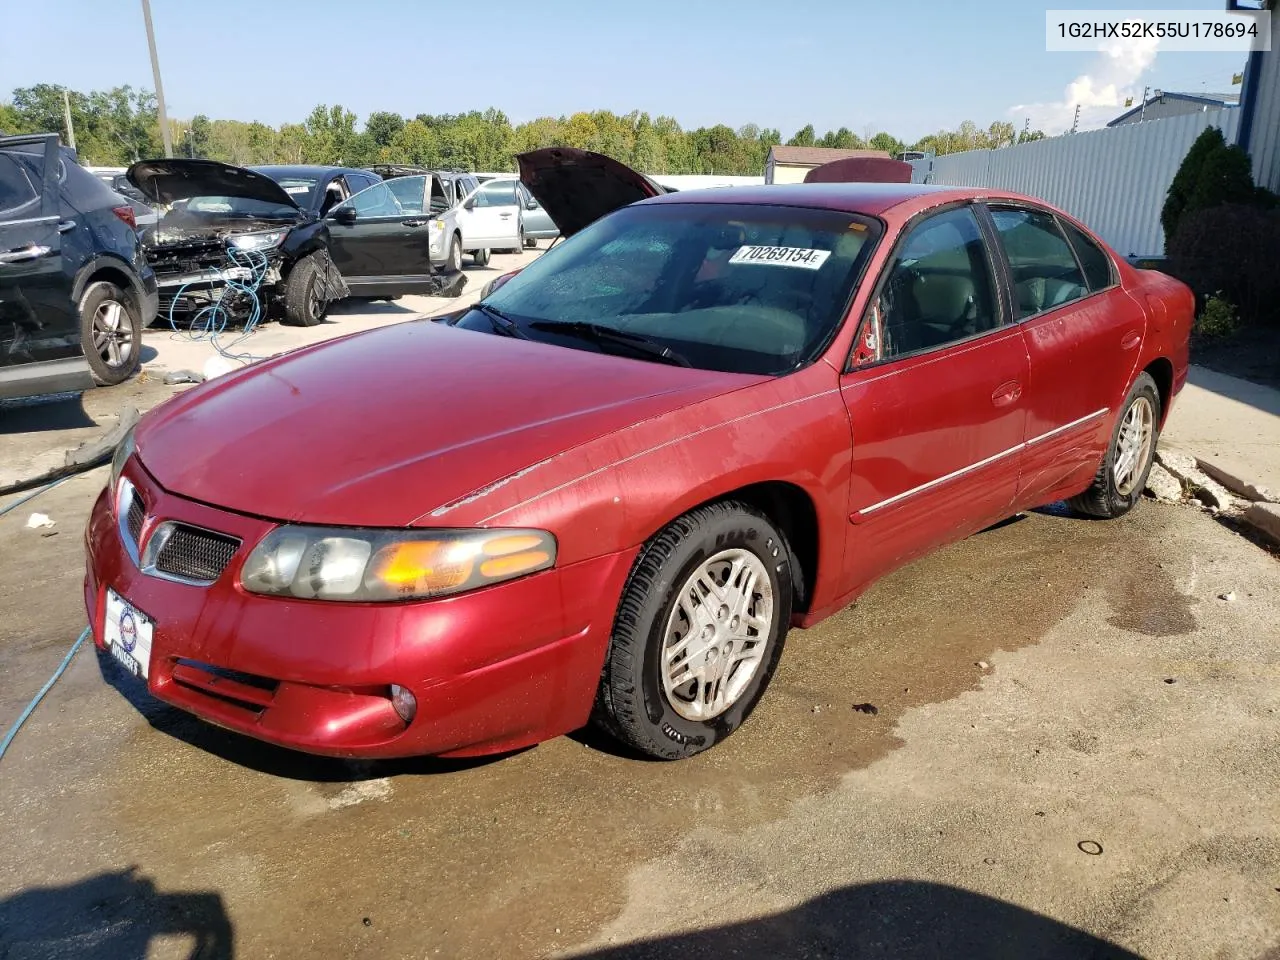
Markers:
{"x": 124, "y": 450}
{"x": 337, "y": 563}
{"x": 258, "y": 241}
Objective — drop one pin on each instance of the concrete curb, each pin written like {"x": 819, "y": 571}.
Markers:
{"x": 1240, "y": 486}
{"x": 90, "y": 454}
{"x": 1219, "y": 490}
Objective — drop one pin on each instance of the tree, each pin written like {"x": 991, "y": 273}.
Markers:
{"x": 198, "y": 141}
{"x": 1028, "y": 136}
{"x": 381, "y": 128}
{"x": 804, "y": 137}
{"x": 888, "y": 143}
{"x": 1185, "y": 180}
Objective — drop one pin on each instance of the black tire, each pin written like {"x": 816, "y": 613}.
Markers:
{"x": 481, "y": 258}
{"x": 531, "y": 243}
{"x": 631, "y": 703}
{"x": 520, "y": 241}
{"x": 302, "y": 306}
{"x": 453, "y": 259}
{"x": 1104, "y": 498}
{"x": 110, "y": 333}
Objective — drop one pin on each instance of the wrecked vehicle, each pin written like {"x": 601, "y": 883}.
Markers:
{"x": 278, "y": 242}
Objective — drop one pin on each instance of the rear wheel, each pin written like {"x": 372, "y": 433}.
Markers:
{"x": 110, "y": 334}
{"x": 1123, "y": 474}
{"x": 304, "y": 302}
{"x": 481, "y": 258}
{"x": 698, "y": 632}
{"x": 531, "y": 243}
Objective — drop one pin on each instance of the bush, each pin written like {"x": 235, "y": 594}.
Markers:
{"x": 1226, "y": 176}
{"x": 1185, "y": 180}
{"x": 1231, "y": 252}
{"x": 1217, "y": 319}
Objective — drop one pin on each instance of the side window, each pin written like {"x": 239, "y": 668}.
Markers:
{"x": 409, "y": 192}
{"x": 1094, "y": 260}
{"x": 18, "y": 195}
{"x": 938, "y": 289}
{"x": 334, "y": 193}
{"x": 377, "y": 201}
{"x": 1045, "y": 272}
{"x": 501, "y": 193}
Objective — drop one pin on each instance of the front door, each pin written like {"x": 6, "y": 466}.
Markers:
{"x": 40, "y": 346}
{"x": 935, "y": 400}
{"x": 490, "y": 219}
{"x": 379, "y": 238}
{"x": 1082, "y": 334}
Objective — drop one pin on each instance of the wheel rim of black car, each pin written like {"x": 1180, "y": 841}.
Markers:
{"x": 113, "y": 333}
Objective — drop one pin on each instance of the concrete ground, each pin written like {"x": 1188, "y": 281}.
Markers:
{"x": 1068, "y": 747}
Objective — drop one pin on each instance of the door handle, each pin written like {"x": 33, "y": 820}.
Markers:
{"x": 1130, "y": 340}
{"x": 505, "y": 216}
{"x": 66, "y": 225}
{"x": 1006, "y": 393}
{"x": 412, "y": 223}
{"x": 23, "y": 254}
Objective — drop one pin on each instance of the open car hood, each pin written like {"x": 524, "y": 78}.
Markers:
{"x": 167, "y": 181}
{"x": 578, "y": 187}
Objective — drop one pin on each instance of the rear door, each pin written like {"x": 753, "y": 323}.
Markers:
{"x": 490, "y": 218}
{"x": 1083, "y": 334}
{"x": 935, "y": 399}
{"x": 39, "y": 323}
{"x": 379, "y": 238}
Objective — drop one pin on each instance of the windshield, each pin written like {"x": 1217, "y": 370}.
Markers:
{"x": 739, "y": 288}
{"x": 239, "y": 207}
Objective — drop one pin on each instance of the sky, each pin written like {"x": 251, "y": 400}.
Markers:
{"x": 908, "y": 68}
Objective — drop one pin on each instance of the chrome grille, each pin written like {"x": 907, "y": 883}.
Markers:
{"x": 190, "y": 553}
{"x": 137, "y": 512}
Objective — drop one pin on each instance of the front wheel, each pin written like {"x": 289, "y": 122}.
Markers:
{"x": 304, "y": 302}
{"x": 453, "y": 262}
{"x": 1123, "y": 474}
{"x": 698, "y": 632}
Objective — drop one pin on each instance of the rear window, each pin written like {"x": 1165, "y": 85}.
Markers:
{"x": 17, "y": 192}
{"x": 1096, "y": 264}
{"x": 739, "y": 288}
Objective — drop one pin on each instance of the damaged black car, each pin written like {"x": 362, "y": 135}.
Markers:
{"x": 239, "y": 245}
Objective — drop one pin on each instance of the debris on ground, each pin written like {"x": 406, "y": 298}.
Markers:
{"x": 183, "y": 376}
{"x": 1204, "y": 488}
{"x": 39, "y": 521}
{"x": 982, "y": 665}
{"x": 817, "y": 708}
{"x": 1092, "y": 847}
{"x": 868, "y": 708}
{"x": 1163, "y": 485}
{"x": 1229, "y": 596}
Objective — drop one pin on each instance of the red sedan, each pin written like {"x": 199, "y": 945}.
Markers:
{"x": 606, "y": 492}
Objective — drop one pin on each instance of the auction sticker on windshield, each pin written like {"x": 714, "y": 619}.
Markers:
{"x": 127, "y": 632}
{"x": 801, "y": 257}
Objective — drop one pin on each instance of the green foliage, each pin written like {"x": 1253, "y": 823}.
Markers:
{"x": 1225, "y": 177}
{"x": 1231, "y": 251}
{"x": 1218, "y": 319}
{"x": 116, "y": 127}
{"x": 1185, "y": 180}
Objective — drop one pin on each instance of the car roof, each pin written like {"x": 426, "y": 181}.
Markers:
{"x": 872, "y": 199}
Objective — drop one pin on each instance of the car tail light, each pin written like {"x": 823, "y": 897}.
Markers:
{"x": 127, "y": 215}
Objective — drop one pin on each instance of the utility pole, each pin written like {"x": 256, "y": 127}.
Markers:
{"x": 66, "y": 114}
{"x": 1076, "y": 122}
{"x": 155, "y": 72}
{"x": 1143, "y": 115}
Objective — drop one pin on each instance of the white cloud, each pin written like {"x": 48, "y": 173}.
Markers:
{"x": 1100, "y": 93}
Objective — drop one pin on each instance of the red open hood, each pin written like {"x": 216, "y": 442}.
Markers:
{"x": 578, "y": 187}
{"x": 379, "y": 428}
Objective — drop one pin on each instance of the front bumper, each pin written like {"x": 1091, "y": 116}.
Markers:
{"x": 493, "y": 670}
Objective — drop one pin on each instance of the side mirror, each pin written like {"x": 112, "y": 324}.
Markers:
{"x": 469, "y": 205}
{"x": 345, "y": 216}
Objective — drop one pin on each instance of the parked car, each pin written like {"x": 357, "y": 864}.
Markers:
{"x": 607, "y": 491}
{"x": 75, "y": 287}
{"x": 143, "y": 215}
{"x": 279, "y": 241}
{"x": 461, "y": 225}
{"x": 535, "y": 223}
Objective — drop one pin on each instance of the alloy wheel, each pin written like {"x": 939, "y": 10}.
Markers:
{"x": 1133, "y": 445}
{"x": 113, "y": 334}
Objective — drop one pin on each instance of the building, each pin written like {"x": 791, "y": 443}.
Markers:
{"x": 1259, "y": 132}
{"x": 790, "y": 164}
{"x": 1163, "y": 104}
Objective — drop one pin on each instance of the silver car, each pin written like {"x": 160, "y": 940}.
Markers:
{"x": 537, "y": 224}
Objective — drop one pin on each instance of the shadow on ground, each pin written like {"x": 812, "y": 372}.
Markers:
{"x": 112, "y": 916}
{"x": 893, "y": 920}
{"x": 61, "y": 411}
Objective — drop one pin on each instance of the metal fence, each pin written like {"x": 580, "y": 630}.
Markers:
{"x": 1113, "y": 180}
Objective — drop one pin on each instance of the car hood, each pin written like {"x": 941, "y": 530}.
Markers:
{"x": 578, "y": 187}
{"x": 382, "y": 427}
{"x": 168, "y": 181}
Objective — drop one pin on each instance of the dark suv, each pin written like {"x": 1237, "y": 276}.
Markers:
{"x": 75, "y": 287}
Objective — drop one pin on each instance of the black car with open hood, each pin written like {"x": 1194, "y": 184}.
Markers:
{"x": 234, "y": 243}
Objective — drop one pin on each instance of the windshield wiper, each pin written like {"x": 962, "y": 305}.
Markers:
{"x": 601, "y": 334}
{"x": 501, "y": 323}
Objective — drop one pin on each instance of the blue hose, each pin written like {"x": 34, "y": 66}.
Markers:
{"x": 32, "y": 496}
{"x": 62, "y": 667}
{"x": 211, "y": 321}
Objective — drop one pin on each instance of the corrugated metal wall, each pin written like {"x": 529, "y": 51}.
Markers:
{"x": 1113, "y": 180}
{"x": 1264, "y": 140}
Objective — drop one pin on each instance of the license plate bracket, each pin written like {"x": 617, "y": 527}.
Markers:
{"x": 127, "y": 632}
